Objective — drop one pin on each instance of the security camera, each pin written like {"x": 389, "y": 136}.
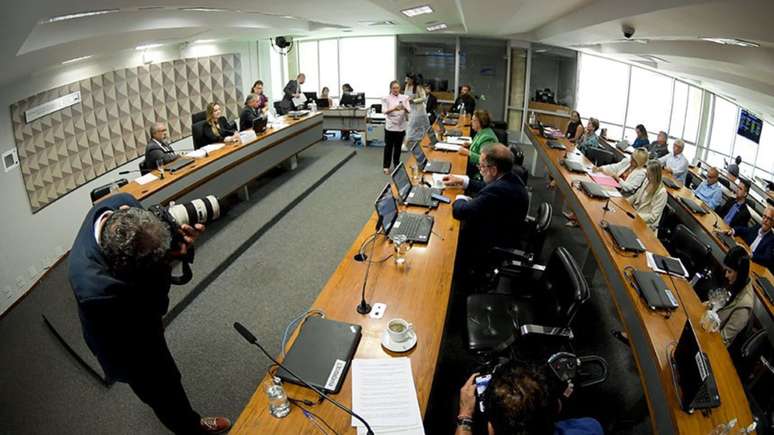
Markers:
{"x": 628, "y": 31}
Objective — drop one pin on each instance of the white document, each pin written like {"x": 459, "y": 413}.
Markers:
{"x": 197, "y": 154}
{"x": 247, "y": 136}
{"x": 458, "y": 140}
{"x": 299, "y": 100}
{"x": 145, "y": 179}
{"x": 652, "y": 264}
{"x": 393, "y": 430}
{"x": 213, "y": 147}
{"x": 438, "y": 181}
{"x": 445, "y": 146}
{"x": 383, "y": 393}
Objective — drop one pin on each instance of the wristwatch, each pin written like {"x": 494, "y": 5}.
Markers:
{"x": 465, "y": 422}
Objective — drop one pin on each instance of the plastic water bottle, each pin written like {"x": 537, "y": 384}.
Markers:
{"x": 724, "y": 428}
{"x": 279, "y": 406}
{"x": 313, "y": 106}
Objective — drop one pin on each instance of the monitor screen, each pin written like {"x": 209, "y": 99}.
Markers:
{"x": 386, "y": 208}
{"x": 750, "y": 126}
{"x": 402, "y": 181}
{"x": 419, "y": 155}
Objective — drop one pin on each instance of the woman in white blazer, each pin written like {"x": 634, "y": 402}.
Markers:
{"x": 629, "y": 172}
{"x": 651, "y": 198}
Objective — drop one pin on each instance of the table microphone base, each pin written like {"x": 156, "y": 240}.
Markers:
{"x": 363, "y": 308}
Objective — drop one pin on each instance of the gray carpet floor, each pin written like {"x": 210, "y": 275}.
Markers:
{"x": 43, "y": 390}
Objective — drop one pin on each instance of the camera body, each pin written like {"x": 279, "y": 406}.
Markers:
{"x": 628, "y": 31}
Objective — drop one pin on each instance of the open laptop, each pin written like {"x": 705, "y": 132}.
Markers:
{"x": 693, "y": 373}
{"x": 574, "y": 166}
{"x": 594, "y": 190}
{"x": 625, "y": 238}
{"x": 322, "y": 353}
{"x": 555, "y": 144}
{"x": 670, "y": 183}
{"x": 432, "y": 166}
{"x": 410, "y": 194}
{"x": 652, "y": 288}
{"x": 691, "y": 204}
{"x": 416, "y": 227}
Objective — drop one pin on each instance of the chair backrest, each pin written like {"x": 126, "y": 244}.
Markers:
{"x": 600, "y": 156}
{"x": 689, "y": 249}
{"x": 278, "y": 108}
{"x": 143, "y": 167}
{"x": 502, "y": 135}
{"x": 564, "y": 282}
{"x": 198, "y": 116}
{"x": 542, "y": 222}
{"x": 102, "y": 191}
{"x": 197, "y": 133}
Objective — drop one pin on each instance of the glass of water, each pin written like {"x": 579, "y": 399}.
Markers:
{"x": 710, "y": 321}
{"x": 416, "y": 174}
{"x": 718, "y": 298}
{"x": 401, "y": 245}
{"x": 279, "y": 406}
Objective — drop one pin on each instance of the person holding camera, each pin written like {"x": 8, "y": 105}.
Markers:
{"x": 120, "y": 269}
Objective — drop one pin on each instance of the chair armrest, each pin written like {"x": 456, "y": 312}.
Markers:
{"x": 509, "y": 254}
{"x": 565, "y": 333}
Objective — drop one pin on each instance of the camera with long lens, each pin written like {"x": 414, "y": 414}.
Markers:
{"x": 199, "y": 211}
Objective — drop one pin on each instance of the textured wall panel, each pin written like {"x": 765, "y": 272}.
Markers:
{"x": 109, "y": 127}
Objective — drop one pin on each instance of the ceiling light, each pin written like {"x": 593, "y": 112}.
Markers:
{"x": 203, "y": 10}
{"x": 204, "y": 41}
{"x": 437, "y": 27}
{"x": 419, "y": 10}
{"x": 147, "y": 46}
{"x": 541, "y": 50}
{"x": 77, "y": 59}
{"x": 78, "y": 15}
{"x": 731, "y": 41}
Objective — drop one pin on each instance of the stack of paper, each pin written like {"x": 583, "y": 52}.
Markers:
{"x": 458, "y": 140}
{"x": 145, "y": 179}
{"x": 213, "y": 147}
{"x": 445, "y": 146}
{"x": 674, "y": 265}
{"x": 383, "y": 393}
{"x": 438, "y": 181}
{"x": 604, "y": 180}
{"x": 197, "y": 154}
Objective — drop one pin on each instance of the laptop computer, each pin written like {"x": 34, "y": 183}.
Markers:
{"x": 322, "y": 353}
{"x": 449, "y": 121}
{"x": 693, "y": 373}
{"x": 574, "y": 166}
{"x": 693, "y": 206}
{"x": 767, "y": 287}
{"x": 652, "y": 288}
{"x": 728, "y": 241}
{"x": 594, "y": 190}
{"x": 670, "y": 183}
{"x": 556, "y": 145}
{"x": 410, "y": 194}
{"x": 432, "y": 166}
{"x": 416, "y": 227}
{"x": 322, "y": 103}
{"x": 259, "y": 124}
{"x": 625, "y": 238}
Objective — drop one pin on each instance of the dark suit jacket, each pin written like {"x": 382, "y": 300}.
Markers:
{"x": 246, "y": 117}
{"x": 291, "y": 89}
{"x": 431, "y": 106}
{"x": 226, "y": 129}
{"x": 492, "y": 217}
{"x": 121, "y": 320}
{"x": 764, "y": 254}
{"x": 468, "y": 101}
{"x": 741, "y": 218}
{"x": 155, "y": 152}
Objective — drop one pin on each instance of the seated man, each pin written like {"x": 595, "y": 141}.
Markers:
{"x": 518, "y": 401}
{"x": 158, "y": 152}
{"x": 490, "y": 218}
{"x": 709, "y": 190}
{"x": 249, "y": 113}
{"x": 675, "y": 163}
{"x": 735, "y": 212}
{"x": 464, "y": 101}
{"x": 760, "y": 238}
{"x": 659, "y": 147}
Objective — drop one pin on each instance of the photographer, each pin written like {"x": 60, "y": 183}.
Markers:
{"x": 120, "y": 271}
{"x": 518, "y": 401}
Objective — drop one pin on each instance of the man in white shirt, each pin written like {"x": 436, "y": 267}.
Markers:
{"x": 676, "y": 163}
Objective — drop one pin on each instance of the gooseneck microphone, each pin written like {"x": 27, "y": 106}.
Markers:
{"x": 130, "y": 172}
{"x": 363, "y": 307}
{"x": 250, "y": 338}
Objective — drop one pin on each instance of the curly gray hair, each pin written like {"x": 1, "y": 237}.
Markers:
{"x": 134, "y": 240}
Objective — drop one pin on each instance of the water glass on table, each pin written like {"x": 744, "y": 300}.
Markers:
{"x": 401, "y": 245}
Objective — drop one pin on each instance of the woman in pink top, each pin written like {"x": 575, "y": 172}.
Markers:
{"x": 396, "y": 109}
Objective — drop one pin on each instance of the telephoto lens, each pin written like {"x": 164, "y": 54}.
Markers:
{"x": 198, "y": 211}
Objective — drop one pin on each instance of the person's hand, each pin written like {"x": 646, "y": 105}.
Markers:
{"x": 462, "y": 197}
{"x": 468, "y": 397}
{"x": 595, "y": 169}
{"x": 464, "y": 151}
{"x": 730, "y": 232}
{"x": 452, "y": 181}
{"x": 190, "y": 234}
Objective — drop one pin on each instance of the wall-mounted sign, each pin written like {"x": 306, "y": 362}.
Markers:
{"x": 52, "y": 106}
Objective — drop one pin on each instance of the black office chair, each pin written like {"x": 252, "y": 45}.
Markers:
{"x": 197, "y": 134}
{"x": 667, "y": 224}
{"x": 545, "y": 310}
{"x": 278, "y": 108}
{"x": 198, "y": 116}
{"x": 600, "y": 156}
{"x": 143, "y": 167}
{"x": 694, "y": 253}
{"x": 102, "y": 191}
{"x": 518, "y": 164}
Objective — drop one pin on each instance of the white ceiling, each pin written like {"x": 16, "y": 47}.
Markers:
{"x": 671, "y": 28}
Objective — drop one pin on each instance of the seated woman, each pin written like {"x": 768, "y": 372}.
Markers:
{"x": 642, "y": 137}
{"x": 218, "y": 129}
{"x": 325, "y": 95}
{"x": 574, "y": 127}
{"x": 263, "y": 100}
{"x": 629, "y": 172}
{"x": 651, "y": 198}
{"x": 589, "y": 138}
{"x": 735, "y": 315}
{"x": 480, "y": 123}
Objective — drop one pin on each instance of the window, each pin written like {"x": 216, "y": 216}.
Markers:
{"x": 329, "y": 66}
{"x": 650, "y": 99}
{"x": 716, "y": 159}
{"x": 692, "y": 115}
{"x": 746, "y": 148}
{"x": 679, "y": 104}
{"x": 279, "y": 73}
{"x": 602, "y": 88}
{"x": 689, "y": 151}
{"x": 724, "y": 120}
{"x": 368, "y": 64}
{"x": 765, "y": 160}
{"x": 307, "y": 64}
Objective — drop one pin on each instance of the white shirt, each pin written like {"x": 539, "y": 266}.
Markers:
{"x": 677, "y": 164}
{"x": 99, "y": 223}
{"x": 757, "y": 240}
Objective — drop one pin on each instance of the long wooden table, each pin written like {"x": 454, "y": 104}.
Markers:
{"x": 226, "y": 170}
{"x": 418, "y": 292}
{"x": 650, "y": 332}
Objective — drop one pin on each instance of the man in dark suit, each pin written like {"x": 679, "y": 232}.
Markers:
{"x": 249, "y": 113}
{"x": 464, "y": 100}
{"x": 158, "y": 151}
{"x": 292, "y": 90}
{"x": 120, "y": 273}
{"x": 760, "y": 238}
{"x": 735, "y": 212}
{"x": 489, "y": 218}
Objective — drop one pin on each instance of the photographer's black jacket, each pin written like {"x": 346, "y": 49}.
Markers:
{"x": 121, "y": 319}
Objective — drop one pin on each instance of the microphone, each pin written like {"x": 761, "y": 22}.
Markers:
{"x": 250, "y": 338}
{"x": 130, "y": 172}
{"x": 363, "y": 307}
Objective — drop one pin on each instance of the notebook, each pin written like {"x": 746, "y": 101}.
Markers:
{"x": 605, "y": 180}
{"x": 652, "y": 288}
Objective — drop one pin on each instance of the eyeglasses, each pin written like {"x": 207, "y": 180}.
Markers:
{"x": 483, "y": 165}
{"x": 768, "y": 218}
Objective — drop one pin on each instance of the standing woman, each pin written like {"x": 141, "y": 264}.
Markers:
{"x": 651, "y": 198}
{"x": 410, "y": 85}
{"x": 263, "y": 100}
{"x": 217, "y": 129}
{"x": 574, "y": 128}
{"x": 418, "y": 122}
{"x": 396, "y": 109}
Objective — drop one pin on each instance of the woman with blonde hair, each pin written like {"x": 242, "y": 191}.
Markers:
{"x": 218, "y": 128}
{"x": 651, "y": 198}
{"x": 629, "y": 172}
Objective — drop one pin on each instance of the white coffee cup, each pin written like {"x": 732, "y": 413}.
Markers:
{"x": 399, "y": 330}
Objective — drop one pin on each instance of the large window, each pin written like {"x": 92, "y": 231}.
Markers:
{"x": 679, "y": 105}
{"x": 329, "y": 66}
{"x": 602, "y": 89}
{"x": 692, "y": 115}
{"x": 307, "y": 57}
{"x": 724, "y": 120}
{"x": 650, "y": 98}
{"x": 765, "y": 161}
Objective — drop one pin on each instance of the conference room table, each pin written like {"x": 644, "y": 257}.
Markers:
{"x": 227, "y": 169}
{"x": 651, "y": 333}
{"x": 418, "y": 292}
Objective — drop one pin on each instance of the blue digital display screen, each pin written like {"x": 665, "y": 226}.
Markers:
{"x": 750, "y": 126}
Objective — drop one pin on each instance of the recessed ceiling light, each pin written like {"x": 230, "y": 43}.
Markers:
{"x": 289, "y": 17}
{"x": 147, "y": 46}
{"x": 203, "y": 41}
{"x": 78, "y": 15}
{"x": 419, "y": 10}
{"x": 77, "y": 59}
{"x": 541, "y": 50}
{"x": 731, "y": 41}
{"x": 204, "y": 10}
{"x": 437, "y": 27}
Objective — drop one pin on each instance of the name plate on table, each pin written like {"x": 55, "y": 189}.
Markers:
{"x": 247, "y": 136}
